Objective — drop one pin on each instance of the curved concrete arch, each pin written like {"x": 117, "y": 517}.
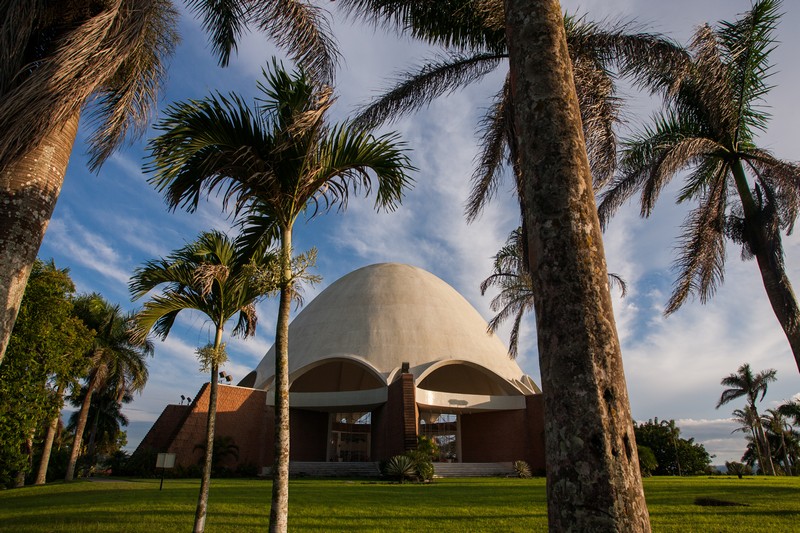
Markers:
{"x": 349, "y": 359}
{"x": 508, "y": 388}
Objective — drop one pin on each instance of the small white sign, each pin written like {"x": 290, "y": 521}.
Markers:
{"x": 165, "y": 460}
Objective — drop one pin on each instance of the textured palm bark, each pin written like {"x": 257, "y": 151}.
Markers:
{"x": 279, "y": 508}
{"x": 593, "y": 480}
{"x": 28, "y": 193}
{"x": 83, "y": 416}
{"x": 773, "y": 274}
{"x": 205, "y": 483}
{"x": 47, "y": 445}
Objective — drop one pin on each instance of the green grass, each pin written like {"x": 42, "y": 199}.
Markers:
{"x": 473, "y": 505}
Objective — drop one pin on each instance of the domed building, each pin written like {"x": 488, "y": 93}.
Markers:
{"x": 384, "y": 354}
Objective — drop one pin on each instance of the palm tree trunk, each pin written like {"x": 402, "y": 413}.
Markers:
{"x": 770, "y": 265}
{"x": 205, "y": 483}
{"x": 47, "y": 445}
{"x": 83, "y": 416}
{"x": 593, "y": 479}
{"x": 279, "y": 507}
{"x": 29, "y": 189}
{"x": 766, "y": 448}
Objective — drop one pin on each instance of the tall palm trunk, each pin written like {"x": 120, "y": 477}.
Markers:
{"x": 593, "y": 479}
{"x": 83, "y": 416}
{"x": 769, "y": 467}
{"x": 47, "y": 445}
{"x": 770, "y": 265}
{"x": 28, "y": 193}
{"x": 205, "y": 483}
{"x": 279, "y": 508}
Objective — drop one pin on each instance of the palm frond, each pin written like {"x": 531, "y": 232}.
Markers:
{"x": 701, "y": 261}
{"x": 457, "y": 24}
{"x": 116, "y": 53}
{"x": 496, "y": 129}
{"x": 747, "y": 43}
{"x": 224, "y": 21}
{"x": 781, "y": 177}
{"x": 303, "y": 30}
{"x": 417, "y": 88}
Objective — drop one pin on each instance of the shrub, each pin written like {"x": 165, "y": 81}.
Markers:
{"x": 401, "y": 467}
{"x": 647, "y": 460}
{"x": 522, "y": 469}
{"x": 738, "y": 469}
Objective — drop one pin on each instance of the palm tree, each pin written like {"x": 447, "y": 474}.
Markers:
{"x": 746, "y": 419}
{"x": 105, "y": 412}
{"x": 211, "y": 277}
{"x": 473, "y": 36}
{"x": 274, "y": 163}
{"x": 791, "y": 409}
{"x": 56, "y": 57}
{"x": 745, "y": 383}
{"x": 776, "y": 425}
{"x": 117, "y": 360}
{"x": 708, "y": 127}
{"x": 674, "y": 433}
{"x": 511, "y": 274}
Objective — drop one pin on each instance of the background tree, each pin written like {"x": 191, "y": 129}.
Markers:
{"x": 747, "y": 420}
{"x": 782, "y": 438}
{"x": 713, "y": 112}
{"x": 673, "y": 454}
{"x": 46, "y": 351}
{"x": 512, "y": 276}
{"x": 274, "y": 163}
{"x": 105, "y": 421}
{"x": 211, "y": 277}
{"x": 745, "y": 383}
{"x": 117, "y": 360}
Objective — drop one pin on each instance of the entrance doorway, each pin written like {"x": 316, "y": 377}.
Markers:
{"x": 350, "y": 437}
{"x": 443, "y": 429}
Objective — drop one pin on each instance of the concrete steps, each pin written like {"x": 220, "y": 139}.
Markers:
{"x": 312, "y": 469}
{"x": 473, "y": 469}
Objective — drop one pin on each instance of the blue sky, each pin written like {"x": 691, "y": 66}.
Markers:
{"x": 107, "y": 224}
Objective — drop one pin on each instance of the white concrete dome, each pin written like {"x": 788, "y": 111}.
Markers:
{"x": 358, "y": 332}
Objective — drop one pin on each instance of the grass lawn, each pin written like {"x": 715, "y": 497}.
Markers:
{"x": 468, "y": 505}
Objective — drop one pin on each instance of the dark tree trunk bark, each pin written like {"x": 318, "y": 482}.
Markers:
{"x": 28, "y": 193}
{"x": 211, "y": 425}
{"x": 593, "y": 480}
{"x": 279, "y": 507}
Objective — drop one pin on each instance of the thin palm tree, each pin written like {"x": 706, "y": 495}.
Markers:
{"x": 751, "y": 386}
{"x": 674, "y": 433}
{"x": 56, "y": 57}
{"x": 776, "y": 424}
{"x": 708, "y": 127}
{"x": 511, "y": 274}
{"x": 746, "y": 419}
{"x": 472, "y": 35}
{"x": 209, "y": 276}
{"x": 117, "y": 360}
{"x": 274, "y": 163}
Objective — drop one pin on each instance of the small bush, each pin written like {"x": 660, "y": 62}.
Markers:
{"x": 738, "y": 469}
{"x": 522, "y": 469}
{"x": 401, "y": 467}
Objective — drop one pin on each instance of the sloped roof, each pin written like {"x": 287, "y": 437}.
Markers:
{"x": 386, "y": 314}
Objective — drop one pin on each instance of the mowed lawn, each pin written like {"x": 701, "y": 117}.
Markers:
{"x": 469, "y": 505}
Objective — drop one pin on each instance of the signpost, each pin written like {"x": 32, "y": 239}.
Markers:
{"x": 164, "y": 461}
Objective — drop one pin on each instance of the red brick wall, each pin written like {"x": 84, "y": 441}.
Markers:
{"x": 505, "y": 435}
{"x": 242, "y": 414}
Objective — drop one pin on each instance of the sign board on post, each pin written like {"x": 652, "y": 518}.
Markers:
{"x": 165, "y": 460}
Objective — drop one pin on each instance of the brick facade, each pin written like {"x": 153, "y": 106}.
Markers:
{"x": 244, "y": 416}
